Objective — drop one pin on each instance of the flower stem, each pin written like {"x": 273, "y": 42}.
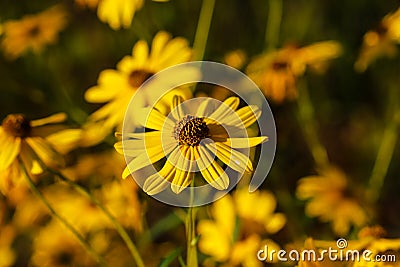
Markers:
{"x": 309, "y": 126}
{"x": 386, "y": 149}
{"x": 118, "y": 227}
{"x": 274, "y": 20}
{"x": 80, "y": 238}
{"x": 203, "y": 28}
{"x": 191, "y": 260}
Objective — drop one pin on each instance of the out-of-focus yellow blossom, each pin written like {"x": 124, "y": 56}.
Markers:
{"x": 7, "y": 254}
{"x": 118, "y": 13}
{"x": 21, "y": 140}
{"x": 371, "y": 239}
{"x": 329, "y": 200}
{"x": 78, "y": 210}
{"x": 236, "y": 247}
{"x": 116, "y": 87}
{"x": 33, "y": 31}
{"x": 235, "y": 58}
{"x": 380, "y": 41}
{"x": 180, "y": 136}
{"x": 217, "y": 234}
{"x": 118, "y": 195}
{"x": 276, "y": 72}
{"x": 263, "y": 214}
{"x": 55, "y": 246}
{"x": 101, "y": 166}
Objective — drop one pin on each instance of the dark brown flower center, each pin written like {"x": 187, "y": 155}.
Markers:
{"x": 280, "y": 65}
{"x": 17, "y": 125}
{"x": 138, "y": 77}
{"x": 34, "y": 31}
{"x": 191, "y": 130}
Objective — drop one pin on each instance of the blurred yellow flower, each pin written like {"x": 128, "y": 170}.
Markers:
{"x": 180, "y": 137}
{"x": 216, "y": 236}
{"x": 116, "y": 87}
{"x": 236, "y": 58}
{"x": 118, "y": 13}
{"x": 276, "y": 72}
{"x": 264, "y": 213}
{"x": 329, "y": 199}
{"x": 380, "y": 42}
{"x": 54, "y": 246}
{"x": 33, "y": 31}
{"x": 118, "y": 195}
{"x": 78, "y": 210}
{"x": 21, "y": 139}
{"x": 219, "y": 237}
{"x": 7, "y": 254}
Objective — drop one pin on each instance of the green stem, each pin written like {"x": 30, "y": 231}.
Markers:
{"x": 191, "y": 238}
{"x": 191, "y": 260}
{"x": 203, "y": 28}
{"x": 118, "y": 227}
{"x": 274, "y": 20}
{"x": 385, "y": 151}
{"x": 80, "y": 238}
{"x": 309, "y": 126}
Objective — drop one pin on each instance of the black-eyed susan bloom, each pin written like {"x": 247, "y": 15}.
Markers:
{"x": 21, "y": 138}
{"x": 190, "y": 142}
{"x": 276, "y": 72}
{"x": 33, "y": 32}
{"x": 380, "y": 42}
{"x": 116, "y": 87}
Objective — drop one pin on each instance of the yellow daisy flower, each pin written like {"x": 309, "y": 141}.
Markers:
{"x": 33, "y": 31}
{"x": 276, "y": 72}
{"x": 380, "y": 42}
{"x": 118, "y": 13}
{"x": 55, "y": 247}
{"x": 218, "y": 238}
{"x": 264, "y": 213}
{"x": 21, "y": 139}
{"x": 328, "y": 198}
{"x": 181, "y": 136}
{"x": 116, "y": 87}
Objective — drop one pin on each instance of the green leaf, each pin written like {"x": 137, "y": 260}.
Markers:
{"x": 170, "y": 257}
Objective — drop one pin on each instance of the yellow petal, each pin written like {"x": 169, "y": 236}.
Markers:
{"x": 159, "y": 181}
{"x": 110, "y": 83}
{"x": 56, "y": 118}
{"x": 249, "y": 114}
{"x": 176, "y": 109}
{"x": 147, "y": 157}
{"x": 232, "y": 158}
{"x": 45, "y": 152}
{"x": 31, "y": 161}
{"x": 275, "y": 223}
{"x": 243, "y": 118}
{"x": 228, "y": 107}
{"x": 10, "y": 147}
{"x": 152, "y": 119}
{"x": 183, "y": 175}
{"x": 65, "y": 140}
{"x": 245, "y": 142}
{"x": 213, "y": 174}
